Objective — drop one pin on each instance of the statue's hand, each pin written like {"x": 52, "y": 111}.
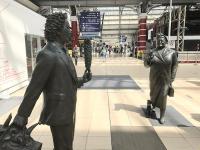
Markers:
{"x": 19, "y": 121}
{"x": 151, "y": 55}
{"x": 150, "y": 58}
{"x": 87, "y": 76}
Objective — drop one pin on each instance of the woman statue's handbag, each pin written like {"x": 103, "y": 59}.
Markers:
{"x": 12, "y": 138}
{"x": 170, "y": 91}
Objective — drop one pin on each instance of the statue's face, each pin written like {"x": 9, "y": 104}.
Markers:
{"x": 65, "y": 35}
{"x": 161, "y": 42}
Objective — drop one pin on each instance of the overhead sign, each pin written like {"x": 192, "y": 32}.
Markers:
{"x": 90, "y": 23}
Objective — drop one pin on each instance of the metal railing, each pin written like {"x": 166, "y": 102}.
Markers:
{"x": 189, "y": 57}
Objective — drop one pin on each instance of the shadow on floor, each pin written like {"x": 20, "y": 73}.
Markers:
{"x": 195, "y": 82}
{"x": 130, "y": 108}
{"x": 135, "y": 138}
{"x": 111, "y": 82}
{"x": 172, "y": 116}
{"x": 196, "y": 117}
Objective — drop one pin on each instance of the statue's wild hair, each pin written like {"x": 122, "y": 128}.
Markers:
{"x": 54, "y": 24}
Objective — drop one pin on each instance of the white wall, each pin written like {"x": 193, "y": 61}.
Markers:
{"x": 15, "y": 21}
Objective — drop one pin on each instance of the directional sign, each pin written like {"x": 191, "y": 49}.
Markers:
{"x": 90, "y": 23}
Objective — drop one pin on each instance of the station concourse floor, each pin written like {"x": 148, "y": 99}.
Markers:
{"x": 113, "y": 118}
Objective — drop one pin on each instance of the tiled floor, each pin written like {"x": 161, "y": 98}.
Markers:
{"x": 98, "y": 110}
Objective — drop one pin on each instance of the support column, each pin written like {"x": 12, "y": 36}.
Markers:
{"x": 120, "y": 22}
{"x": 142, "y": 33}
{"x": 74, "y": 23}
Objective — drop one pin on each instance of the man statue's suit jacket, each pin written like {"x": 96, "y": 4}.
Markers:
{"x": 56, "y": 77}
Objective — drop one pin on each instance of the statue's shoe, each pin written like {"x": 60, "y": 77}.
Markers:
{"x": 162, "y": 120}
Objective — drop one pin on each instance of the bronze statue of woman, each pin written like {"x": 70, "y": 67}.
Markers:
{"x": 163, "y": 64}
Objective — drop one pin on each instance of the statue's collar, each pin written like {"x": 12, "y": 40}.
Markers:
{"x": 55, "y": 46}
{"x": 160, "y": 48}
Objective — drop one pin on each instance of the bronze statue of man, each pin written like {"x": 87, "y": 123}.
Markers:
{"x": 163, "y": 66}
{"x": 56, "y": 77}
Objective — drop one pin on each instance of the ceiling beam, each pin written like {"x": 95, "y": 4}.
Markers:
{"x": 29, "y": 4}
{"x": 175, "y": 2}
{"x": 127, "y": 29}
{"x": 88, "y": 3}
{"x": 108, "y": 3}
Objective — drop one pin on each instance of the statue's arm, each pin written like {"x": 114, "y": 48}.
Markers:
{"x": 174, "y": 66}
{"x": 86, "y": 77}
{"x": 88, "y": 60}
{"x": 88, "y": 54}
{"x": 41, "y": 73}
{"x": 80, "y": 82}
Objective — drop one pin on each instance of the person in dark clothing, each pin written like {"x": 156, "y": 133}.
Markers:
{"x": 56, "y": 77}
{"x": 163, "y": 66}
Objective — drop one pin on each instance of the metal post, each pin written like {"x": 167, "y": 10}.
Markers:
{"x": 32, "y": 62}
{"x": 120, "y": 19}
{"x": 181, "y": 28}
{"x": 196, "y": 58}
{"x": 170, "y": 20}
